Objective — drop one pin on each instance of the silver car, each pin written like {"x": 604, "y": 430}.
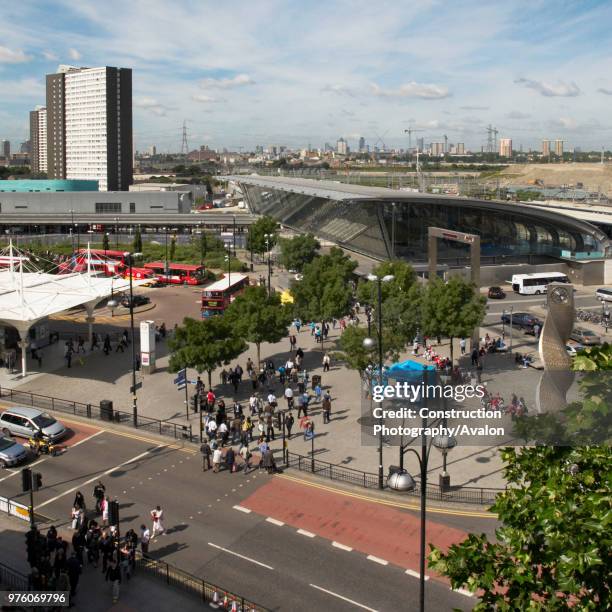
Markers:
{"x": 25, "y": 422}
{"x": 585, "y": 337}
{"x": 11, "y": 452}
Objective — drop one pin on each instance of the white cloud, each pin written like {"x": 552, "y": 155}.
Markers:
{"x": 474, "y": 108}
{"x": 341, "y": 90}
{"x": 206, "y": 99}
{"x": 152, "y": 105}
{"x": 412, "y": 90}
{"x": 238, "y": 81}
{"x": 606, "y": 92}
{"x": 74, "y": 54}
{"x": 558, "y": 89}
{"x": 49, "y": 55}
{"x": 10, "y": 56}
{"x": 517, "y": 115}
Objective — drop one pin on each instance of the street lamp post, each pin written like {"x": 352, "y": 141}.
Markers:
{"x": 369, "y": 343}
{"x": 268, "y": 238}
{"x": 228, "y": 259}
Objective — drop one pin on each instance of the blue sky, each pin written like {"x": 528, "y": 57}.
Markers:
{"x": 287, "y": 72}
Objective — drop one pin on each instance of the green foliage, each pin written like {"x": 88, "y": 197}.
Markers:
{"x": 172, "y": 248}
{"x": 204, "y": 345}
{"x": 553, "y": 550}
{"x": 137, "y": 244}
{"x": 203, "y": 245}
{"x": 258, "y": 318}
{"x": 356, "y": 357}
{"x": 325, "y": 292}
{"x": 256, "y": 240}
{"x": 296, "y": 252}
{"x": 451, "y": 309}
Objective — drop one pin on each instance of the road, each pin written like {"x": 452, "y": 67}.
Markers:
{"x": 284, "y": 543}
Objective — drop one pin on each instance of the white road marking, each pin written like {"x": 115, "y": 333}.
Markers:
{"x": 242, "y": 509}
{"x": 377, "y": 560}
{"x": 351, "y": 601}
{"x": 341, "y": 546}
{"x": 97, "y": 477}
{"x": 308, "y": 534}
{"x": 416, "y": 574}
{"x": 87, "y": 438}
{"x": 31, "y": 465}
{"x": 231, "y": 552}
{"x": 274, "y": 521}
{"x": 464, "y": 592}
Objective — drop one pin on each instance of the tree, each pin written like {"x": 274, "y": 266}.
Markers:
{"x": 172, "y": 248}
{"x": 296, "y": 252}
{"x": 553, "y": 550}
{"x": 325, "y": 290}
{"x": 204, "y": 345}
{"x": 137, "y": 244}
{"x": 256, "y": 238}
{"x": 257, "y": 317}
{"x": 105, "y": 245}
{"x": 451, "y": 309}
{"x": 356, "y": 356}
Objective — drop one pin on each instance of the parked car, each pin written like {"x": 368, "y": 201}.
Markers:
{"x": 11, "y": 452}
{"x": 603, "y": 294}
{"x": 585, "y": 336}
{"x": 522, "y": 320}
{"x": 139, "y": 300}
{"x": 25, "y": 422}
{"x": 496, "y": 293}
{"x": 572, "y": 349}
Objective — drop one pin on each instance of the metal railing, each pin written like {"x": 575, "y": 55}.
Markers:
{"x": 178, "y": 431}
{"x": 465, "y": 495}
{"x": 12, "y": 580}
{"x": 207, "y": 592}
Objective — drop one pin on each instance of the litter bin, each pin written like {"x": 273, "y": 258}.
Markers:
{"x": 106, "y": 410}
{"x": 316, "y": 380}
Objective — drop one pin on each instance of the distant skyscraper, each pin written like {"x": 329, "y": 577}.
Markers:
{"x": 460, "y": 148}
{"x": 546, "y": 148}
{"x": 420, "y": 144}
{"x": 559, "y": 148}
{"x": 152, "y": 150}
{"x": 38, "y": 138}
{"x": 89, "y": 125}
{"x": 6, "y": 148}
{"x": 505, "y": 147}
{"x": 341, "y": 147}
{"x": 437, "y": 148}
{"x": 362, "y": 144}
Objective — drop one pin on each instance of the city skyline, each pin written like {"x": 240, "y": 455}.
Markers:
{"x": 283, "y": 75}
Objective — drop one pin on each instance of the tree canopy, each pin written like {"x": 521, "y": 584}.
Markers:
{"x": 137, "y": 244}
{"x": 296, "y": 252}
{"x": 325, "y": 291}
{"x": 553, "y": 550}
{"x": 258, "y": 317}
{"x": 256, "y": 238}
{"x": 356, "y": 356}
{"x": 204, "y": 345}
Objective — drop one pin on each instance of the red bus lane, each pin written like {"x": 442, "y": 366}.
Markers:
{"x": 371, "y": 528}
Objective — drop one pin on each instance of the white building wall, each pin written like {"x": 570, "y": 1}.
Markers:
{"x": 42, "y": 140}
{"x": 86, "y": 128}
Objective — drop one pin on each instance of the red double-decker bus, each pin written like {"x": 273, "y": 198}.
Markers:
{"x": 218, "y": 296}
{"x": 178, "y": 273}
{"x": 111, "y": 263}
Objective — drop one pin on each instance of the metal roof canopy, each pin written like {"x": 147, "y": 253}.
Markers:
{"x": 28, "y": 297}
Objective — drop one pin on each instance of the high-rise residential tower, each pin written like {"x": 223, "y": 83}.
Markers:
{"x": 6, "y": 149}
{"x": 505, "y": 147}
{"x": 89, "y": 125}
{"x": 38, "y": 139}
{"x": 545, "y": 148}
{"x": 559, "y": 148}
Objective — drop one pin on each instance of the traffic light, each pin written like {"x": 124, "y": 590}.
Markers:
{"x": 36, "y": 481}
{"x": 113, "y": 513}
{"x": 26, "y": 479}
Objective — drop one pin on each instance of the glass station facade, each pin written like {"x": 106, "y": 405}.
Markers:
{"x": 380, "y": 227}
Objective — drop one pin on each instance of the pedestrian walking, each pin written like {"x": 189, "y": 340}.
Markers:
{"x": 157, "y": 516}
{"x": 145, "y": 537}
{"x": 326, "y": 408}
{"x": 80, "y": 345}
{"x": 217, "y": 458}
{"x": 289, "y": 420}
{"x": 474, "y": 356}
{"x": 107, "y": 345}
{"x": 73, "y": 568}
{"x": 230, "y": 459}
{"x": 113, "y": 575}
{"x": 326, "y": 362}
{"x": 462, "y": 345}
{"x": 245, "y": 453}
{"x": 318, "y": 392}
{"x": 68, "y": 354}
{"x": 206, "y": 453}
{"x": 289, "y": 397}
{"x": 94, "y": 342}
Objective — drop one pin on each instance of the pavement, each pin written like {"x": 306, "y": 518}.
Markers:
{"x": 284, "y": 542}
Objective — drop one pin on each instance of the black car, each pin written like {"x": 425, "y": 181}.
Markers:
{"x": 522, "y": 320}
{"x": 496, "y": 293}
{"x": 139, "y": 300}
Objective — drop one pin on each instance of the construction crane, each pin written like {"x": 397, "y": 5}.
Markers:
{"x": 380, "y": 139}
{"x": 409, "y": 131}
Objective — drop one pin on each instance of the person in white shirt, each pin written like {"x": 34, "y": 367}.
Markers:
{"x": 157, "y": 516}
{"x": 253, "y": 401}
{"x": 223, "y": 432}
{"x": 289, "y": 397}
{"x": 145, "y": 537}
{"x": 272, "y": 399}
{"x": 211, "y": 428}
{"x": 217, "y": 458}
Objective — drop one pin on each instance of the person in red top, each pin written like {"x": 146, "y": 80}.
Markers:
{"x": 210, "y": 400}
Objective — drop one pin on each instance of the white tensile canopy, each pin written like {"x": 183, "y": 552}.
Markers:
{"x": 26, "y": 297}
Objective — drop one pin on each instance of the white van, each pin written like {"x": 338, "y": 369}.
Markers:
{"x": 605, "y": 295}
